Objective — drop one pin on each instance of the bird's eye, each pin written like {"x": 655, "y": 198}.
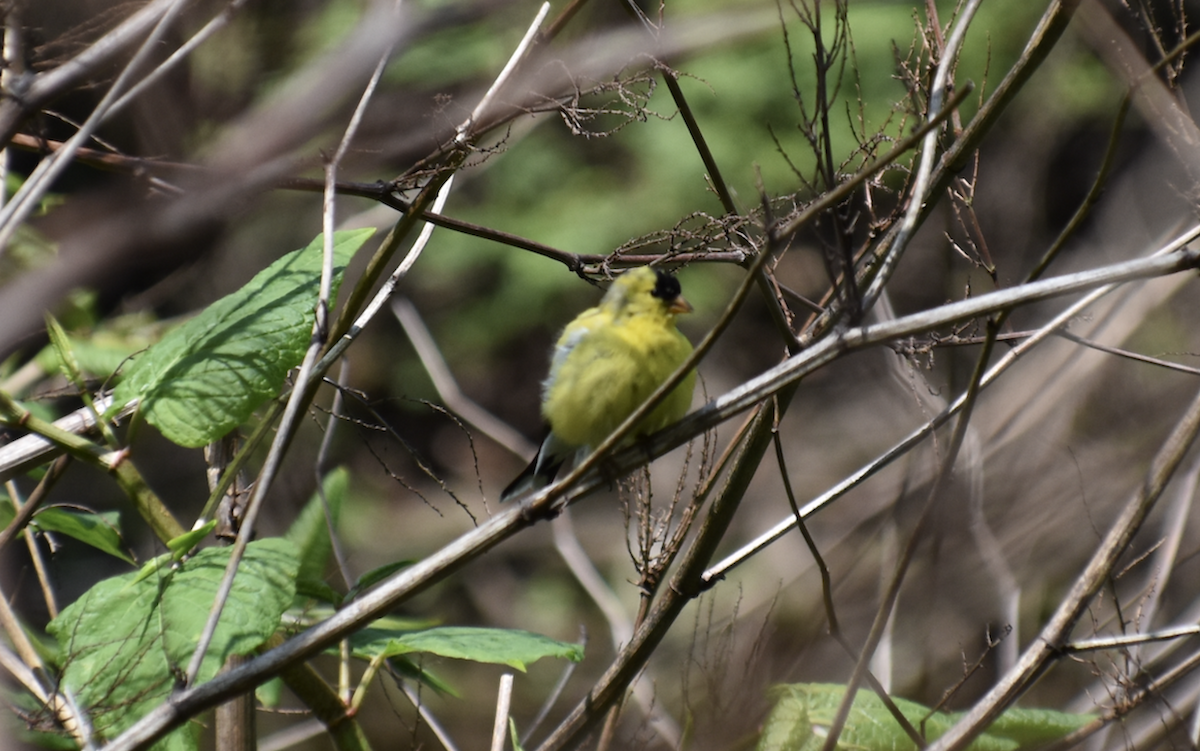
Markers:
{"x": 667, "y": 287}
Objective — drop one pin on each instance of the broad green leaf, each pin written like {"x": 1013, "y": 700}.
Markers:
{"x": 310, "y": 531}
{"x": 123, "y": 642}
{"x": 101, "y": 531}
{"x": 803, "y": 713}
{"x": 98, "y": 530}
{"x": 492, "y": 645}
{"x": 208, "y": 375}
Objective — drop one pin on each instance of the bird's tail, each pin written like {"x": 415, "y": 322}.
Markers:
{"x": 551, "y": 455}
{"x": 533, "y": 478}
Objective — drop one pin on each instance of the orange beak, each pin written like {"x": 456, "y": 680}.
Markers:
{"x": 679, "y": 305}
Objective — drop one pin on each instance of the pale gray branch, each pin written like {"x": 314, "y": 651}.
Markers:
{"x": 476, "y": 542}
{"x": 33, "y": 450}
{"x": 1050, "y": 642}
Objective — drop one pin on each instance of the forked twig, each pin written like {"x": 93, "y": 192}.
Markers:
{"x": 835, "y": 629}
{"x": 478, "y": 541}
{"x": 921, "y": 187}
{"x": 23, "y": 204}
{"x": 289, "y": 421}
{"x": 1046, "y": 647}
{"x": 547, "y": 496}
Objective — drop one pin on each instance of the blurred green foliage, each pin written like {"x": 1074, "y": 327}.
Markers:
{"x": 593, "y": 194}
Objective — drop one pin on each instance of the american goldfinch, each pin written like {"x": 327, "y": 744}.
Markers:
{"x": 605, "y": 365}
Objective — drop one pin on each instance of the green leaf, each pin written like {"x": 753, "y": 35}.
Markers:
{"x": 803, "y": 712}
{"x": 208, "y": 375}
{"x": 179, "y": 547}
{"x": 101, "y": 350}
{"x": 408, "y": 668}
{"x": 310, "y": 531}
{"x": 317, "y": 589}
{"x": 514, "y": 735}
{"x": 62, "y": 347}
{"x": 376, "y": 575}
{"x": 123, "y": 642}
{"x": 101, "y": 531}
{"x": 98, "y": 530}
{"x": 492, "y": 645}
{"x": 270, "y": 693}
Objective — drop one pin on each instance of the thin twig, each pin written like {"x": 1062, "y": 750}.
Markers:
{"x": 490, "y": 533}
{"x": 902, "y": 447}
{"x": 921, "y": 187}
{"x": 504, "y": 695}
{"x": 1089, "y": 343}
{"x": 447, "y": 386}
{"x": 556, "y": 692}
{"x": 39, "y": 181}
{"x": 1047, "y": 646}
{"x": 1123, "y": 641}
{"x": 295, "y": 403}
{"x": 427, "y": 717}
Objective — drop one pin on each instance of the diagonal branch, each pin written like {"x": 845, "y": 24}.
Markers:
{"x": 478, "y": 541}
{"x": 1048, "y": 645}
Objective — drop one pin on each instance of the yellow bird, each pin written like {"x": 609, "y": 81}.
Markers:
{"x": 605, "y": 365}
